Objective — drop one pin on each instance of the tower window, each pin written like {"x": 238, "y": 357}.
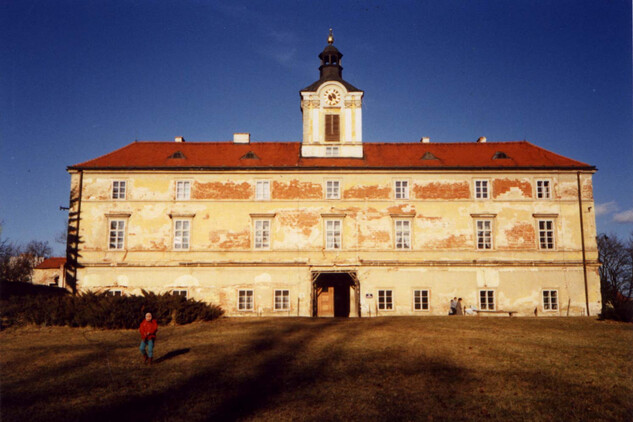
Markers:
{"x": 332, "y": 127}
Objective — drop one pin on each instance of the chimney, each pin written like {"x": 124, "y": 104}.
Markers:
{"x": 241, "y": 138}
{"x": 179, "y": 139}
{"x": 481, "y": 140}
{"x": 425, "y": 140}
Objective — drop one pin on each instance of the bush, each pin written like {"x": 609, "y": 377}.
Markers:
{"x": 103, "y": 311}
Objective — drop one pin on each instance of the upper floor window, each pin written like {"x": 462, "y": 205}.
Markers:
{"x": 546, "y": 234}
{"x": 543, "y": 189}
{"x": 333, "y": 234}
{"x": 262, "y": 234}
{"x": 402, "y": 189}
{"x": 116, "y": 234}
{"x": 482, "y": 190}
{"x": 262, "y": 190}
{"x": 550, "y": 300}
{"x": 403, "y": 234}
{"x": 118, "y": 189}
{"x": 484, "y": 234}
{"x": 332, "y": 127}
{"x": 183, "y": 190}
{"x": 182, "y": 234}
{"x": 487, "y": 300}
{"x": 331, "y": 151}
{"x": 332, "y": 189}
{"x": 421, "y": 300}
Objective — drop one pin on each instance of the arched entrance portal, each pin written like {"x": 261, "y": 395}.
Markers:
{"x": 335, "y": 294}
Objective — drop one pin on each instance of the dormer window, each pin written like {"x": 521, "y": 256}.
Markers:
{"x": 331, "y": 152}
{"x": 332, "y": 127}
{"x": 499, "y": 155}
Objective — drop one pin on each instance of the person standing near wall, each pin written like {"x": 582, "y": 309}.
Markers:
{"x": 148, "y": 329}
{"x": 453, "y": 306}
{"x": 459, "y": 309}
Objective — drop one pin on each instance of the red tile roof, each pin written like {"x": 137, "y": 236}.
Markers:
{"x": 286, "y": 155}
{"x": 49, "y": 263}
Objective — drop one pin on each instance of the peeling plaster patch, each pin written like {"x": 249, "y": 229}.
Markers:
{"x": 230, "y": 240}
{"x": 438, "y": 190}
{"x": 220, "y": 190}
{"x": 521, "y": 236}
{"x": 450, "y": 242}
{"x": 206, "y": 217}
{"x": 402, "y": 209}
{"x": 374, "y": 238}
{"x": 587, "y": 189}
{"x": 304, "y": 221}
{"x": 511, "y": 188}
{"x": 296, "y": 190}
{"x": 567, "y": 191}
{"x": 422, "y": 217}
{"x": 373, "y": 214}
{"x": 158, "y": 245}
{"x": 367, "y": 192}
{"x": 263, "y": 278}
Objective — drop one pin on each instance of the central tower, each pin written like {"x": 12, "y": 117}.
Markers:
{"x": 332, "y": 111}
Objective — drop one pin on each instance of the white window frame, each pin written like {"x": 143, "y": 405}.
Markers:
{"x": 333, "y": 234}
{"x": 115, "y": 292}
{"x": 484, "y": 239}
{"x": 180, "y": 292}
{"x": 543, "y": 189}
{"x": 481, "y": 188}
{"x": 332, "y": 189}
{"x": 385, "y": 300}
{"x": 182, "y": 234}
{"x": 119, "y": 234}
{"x": 485, "y": 301}
{"x": 550, "y": 300}
{"x": 402, "y": 233}
{"x": 245, "y": 300}
{"x": 421, "y": 294}
{"x": 332, "y": 151}
{"x": 119, "y": 190}
{"x": 183, "y": 190}
{"x": 262, "y": 190}
{"x": 401, "y": 189}
{"x": 281, "y": 300}
{"x": 546, "y": 235}
{"x": 261, "y": 233}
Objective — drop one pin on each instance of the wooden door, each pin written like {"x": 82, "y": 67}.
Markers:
{"x": 325, "y": 301}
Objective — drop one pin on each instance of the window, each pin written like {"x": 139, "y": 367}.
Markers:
{"x": 385, "y": 300}
{"x": 421, "y": 300}
{"x": 332, "y": 131}
{"x": 484, "y": 234}
{"x": 179, "y": 292}
{"x": 402, "y": 189}
{"x": 183, "y": 190}
{"x": 481, "y": 189}
{"x": 262, "y": 190}
{"x": 262, "y": 234}
{"x": 403, "y": 234}
{"x": 550, "y": 300}
{"x": 282, "y": 300}
{"x": 487, "y": 300}
{"x": 118, "y": 189}
{"x": 332, "y": 189}
{"x": 245, "y": 300}
{"x": 333, "y": 234}
{"x": 114, "y": 293}
{"x": 543, "y": 189}
{"x": 546, "y": 234}
{"x": 331, "y": 151}
{"x": 182, "y": 234}
{"x": 117, "y": 234}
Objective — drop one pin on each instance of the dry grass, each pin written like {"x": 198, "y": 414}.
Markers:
{"x": 434, "y": 368}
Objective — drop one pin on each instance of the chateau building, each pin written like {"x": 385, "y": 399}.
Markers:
{"x": 332, "y": 226}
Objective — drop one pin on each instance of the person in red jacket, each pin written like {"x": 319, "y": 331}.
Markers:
{"x": 148, "y": 330}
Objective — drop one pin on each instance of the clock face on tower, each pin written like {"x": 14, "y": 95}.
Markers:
{"x": 332, "y": 97}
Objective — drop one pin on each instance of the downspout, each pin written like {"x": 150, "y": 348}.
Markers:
{"x": 582, "y": 239}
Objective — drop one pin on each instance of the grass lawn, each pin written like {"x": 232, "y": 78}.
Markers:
{"x": 370, "y": 369}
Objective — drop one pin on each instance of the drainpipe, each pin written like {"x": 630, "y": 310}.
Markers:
{"x": 582, "y": 239}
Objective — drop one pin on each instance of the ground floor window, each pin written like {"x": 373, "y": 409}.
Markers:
{"x": 385, "y": 300}
{"x": 179, "y": 292}
{"x": 421, "y": 300}
{"x": 550, "y": 300}
{"x": 282, "y": 300}
{"x": 115, "y": 292}
{"x": 487, "y": 300}
{"x": 245, "y": 300}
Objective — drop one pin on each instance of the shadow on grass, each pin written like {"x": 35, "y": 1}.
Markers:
{"x": 172, "y": 354}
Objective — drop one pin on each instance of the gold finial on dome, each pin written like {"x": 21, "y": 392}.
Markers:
{"x": 330, "y": 38}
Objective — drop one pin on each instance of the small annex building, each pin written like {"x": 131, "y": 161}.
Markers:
{"x": 50, "y": 272}
{"x": 332, "y": 226}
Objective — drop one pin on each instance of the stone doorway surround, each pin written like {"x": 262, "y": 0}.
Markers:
{"x": 330, "y": 283}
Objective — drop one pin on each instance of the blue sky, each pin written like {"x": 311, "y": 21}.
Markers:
{"x": 82, "y": 78}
